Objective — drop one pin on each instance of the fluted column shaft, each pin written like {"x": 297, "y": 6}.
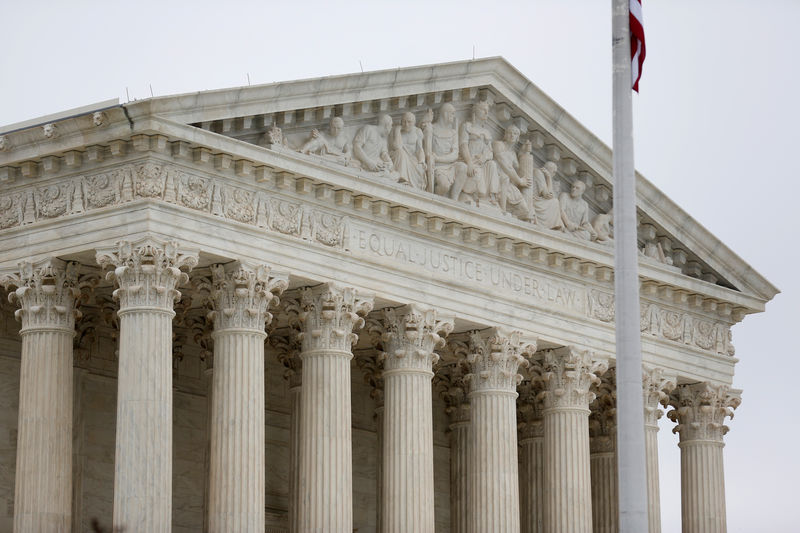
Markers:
{"x": 605, "y": 496}
{"x": 459, "y": 480}
{"x": 147, "y": 273}
{"x": 493, "y": 463}
{"x": 653, "y": 488}
{"x": 567, "y": 477}
{"x": 329, "y": 315}
{"x": 237, "y": 471}
{"x": 43, "y": 485}
{"x": 295, "y": 422}
{"x": 700, "y": 410}
{"x": 532, "y": 476}
{"x": 379, "y": 425}
{"x": 410, "y": 335}
{"x": 240, "y": 297}
{"x": 568, "y": 374}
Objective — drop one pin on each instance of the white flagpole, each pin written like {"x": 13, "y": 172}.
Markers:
{"x": 630, "y": 409}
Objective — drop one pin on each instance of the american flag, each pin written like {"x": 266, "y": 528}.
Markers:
{"x": 637, "y": 42}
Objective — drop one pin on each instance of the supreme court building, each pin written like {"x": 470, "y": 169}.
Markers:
{"x": 380, "y": 302}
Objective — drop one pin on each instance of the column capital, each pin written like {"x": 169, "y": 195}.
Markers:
{"x": 147, "y": 271}
{"x": 567, "y": 374}
{"x": 242, "y": 294}
{"x": 371, "y": 364}
{"x": 46, "y": 292}
{"x": 656, "y": 389}
{"x": 409, "y": 335}
{"x": 450, "y": 379}
{"x": 287, "y": 347}
{"x": 700, "y": 409}
{"x": 329, "y": 313}
{"x": 495, "y": 355}
{"x": 603, "y": 416}
{"x": 530, "y": 415}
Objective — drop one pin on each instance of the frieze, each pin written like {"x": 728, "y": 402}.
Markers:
{"x": 669, "y": 324}
{"x": 170, "y": 184}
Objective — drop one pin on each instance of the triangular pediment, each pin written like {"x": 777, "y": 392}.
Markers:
{"x": 282, "y": 118}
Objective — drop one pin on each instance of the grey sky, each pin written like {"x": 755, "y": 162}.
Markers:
{"x": 715, "y": 129}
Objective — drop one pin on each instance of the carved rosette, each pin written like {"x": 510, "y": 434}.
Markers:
{"x": 242, "y": 295}
{"x": 656, "y": 389}
{"x": 410, "y": 334}
{"x": 567, "y": 374}
{"x": 700, "y": 410}
{"x": 603, "y": 417}
{"x": 494, "y": 357}
{"x": 46, "y": 292}
{"x": 288, "y": 350}
{"x": 530, "y": 416}
{"x": 329, "y": 313}
{"x": 147, "y": 272}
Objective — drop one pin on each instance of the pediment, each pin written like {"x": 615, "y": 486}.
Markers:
{"x": 279, "y": 119}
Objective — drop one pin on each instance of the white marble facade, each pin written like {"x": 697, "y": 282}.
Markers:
{"x": 380, "y": 302}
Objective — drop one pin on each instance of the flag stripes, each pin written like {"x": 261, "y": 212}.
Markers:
{"x": 637, "y": 42}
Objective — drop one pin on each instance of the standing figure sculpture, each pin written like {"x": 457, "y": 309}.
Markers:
{"x": 370, "y": 146}
{"x": 445, "y": 171}
{"x": 475, "y": 144}
{"x": 547, "y": 210}
{"x": 575, "y": 212}
{"x": 514, "y": 189}
{"x": 334, "y": 145}
{"x": 405, "y": 150}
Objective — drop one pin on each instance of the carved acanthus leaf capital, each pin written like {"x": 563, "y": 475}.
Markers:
{"x": 47, "y": 293}
{"x": 287, "y": 347}
{"x": 329, "y": 314}
{"x": 409, "y": 336}
{"x": 530, "y": 416}
{"x": 603, "y": 417}
{"x": 243, "y": 294}
{"x": 147, "y": 272}
{"x": 371, "y": 363}
{"x": 567, "y": 374}
{"x": 656, "y": 389}
{"x": 495, "y": 356}
{"x": 450, "y": 380}
{"x": 700, "y": 410}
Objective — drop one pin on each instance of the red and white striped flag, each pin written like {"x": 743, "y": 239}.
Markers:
{"x": 637, "y": 42}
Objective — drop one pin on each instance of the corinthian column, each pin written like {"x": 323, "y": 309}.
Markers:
{"x": 43, "y": 490}
{"x": 329, "y": 315}
{"x": 241, "y": 297}
{"x": 700, "y": 410}
{"x": 603, "y": 457}
{"x": 451, "y": 380}
{"x": 656, "y": 391}
{"x": 493, "y": 467}
{"x": 531, "y": 458}
{"x": 410, "y": 335}
{"x": 567, "y": 374}
{"x": 371, "y": 363}
{"x": 147, "y": 273}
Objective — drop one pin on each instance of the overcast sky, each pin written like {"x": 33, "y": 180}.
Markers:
{"x": 715, "y": 129}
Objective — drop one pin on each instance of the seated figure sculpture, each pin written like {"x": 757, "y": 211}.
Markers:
{"x": 405, "y": 150}
{"x": 514, "y": 189}
{"x": 475, "y": 144}
{"x": 602, "y": 225}
{"x": 575, "y": 212}
{"x": 370, "y": 146}
{"x": 333, "y": 146}
{"x": 547, "y": 210}
{"x": 441, "y": 146}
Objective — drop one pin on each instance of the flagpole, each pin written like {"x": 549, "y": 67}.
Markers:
{"x": 631, "y": 464}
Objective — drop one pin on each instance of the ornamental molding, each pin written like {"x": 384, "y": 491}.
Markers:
{"x": 656, "y": 388}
